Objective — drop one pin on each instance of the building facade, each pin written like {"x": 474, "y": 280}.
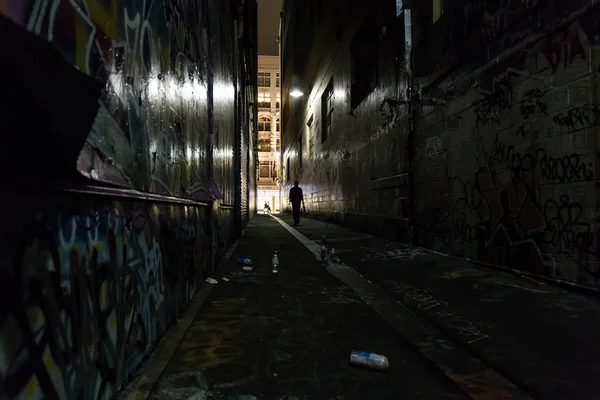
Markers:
{"x": 269, "y": 136}
{"x": 467, "y": 127}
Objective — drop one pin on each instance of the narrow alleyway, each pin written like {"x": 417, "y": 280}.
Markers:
{"x": 450, "y": 329}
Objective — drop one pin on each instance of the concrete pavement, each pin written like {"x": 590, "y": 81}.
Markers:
{"x": 539, "y": 336}
{"x": 289, "y": 335}
{"x": 451, "y": 329}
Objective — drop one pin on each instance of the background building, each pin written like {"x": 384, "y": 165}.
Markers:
{"x": 467, "y": 127}
{"x": 269, "y": 139}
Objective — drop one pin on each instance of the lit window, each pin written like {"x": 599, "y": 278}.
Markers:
{"x": 277, "y": 79}
{"x": 264, "y": 100}
{"x": 264, "y": 124}
{"x": 264, "y": 79}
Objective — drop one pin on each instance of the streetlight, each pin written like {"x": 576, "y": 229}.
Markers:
{"x": 298, "y": 86}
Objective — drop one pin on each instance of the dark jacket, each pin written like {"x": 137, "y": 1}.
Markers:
{"x": 296, "y": 196}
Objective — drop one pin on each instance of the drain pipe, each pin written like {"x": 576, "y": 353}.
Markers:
{"x": 412, "y": 113}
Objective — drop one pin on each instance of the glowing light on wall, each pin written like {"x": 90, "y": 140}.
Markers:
{"x": 223, "y": 92}
{"x": 223, "y": 154}
{"x": 171, "y": 90}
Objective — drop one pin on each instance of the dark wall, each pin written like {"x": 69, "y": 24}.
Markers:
{"x": 505, "y": 133}
{"x": 96, "y": 265}
{"x": 507, "y": 168}
{"x": 89, "y": 285}
{"x": 152, "y": 131}
{"x": 359, "y": 172}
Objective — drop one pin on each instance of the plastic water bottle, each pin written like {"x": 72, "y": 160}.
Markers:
{"x": 323, "y": 253}
{"x": 245, "y": 261}
{"x": 275, "y": 261}
{"x": 369, "y": 360}
{"x": 332, "y": 254}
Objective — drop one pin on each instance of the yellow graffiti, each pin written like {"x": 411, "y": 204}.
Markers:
{"x": 107, "y": 20}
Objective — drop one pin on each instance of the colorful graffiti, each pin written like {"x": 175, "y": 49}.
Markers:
{"x": 151, "y": 132}
{"x": 89, "y": 289}
{"x": 526, "y": 197}
{"x": 89, "y": 293}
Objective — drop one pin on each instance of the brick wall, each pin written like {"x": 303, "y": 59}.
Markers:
{"x": 507, "y": 168}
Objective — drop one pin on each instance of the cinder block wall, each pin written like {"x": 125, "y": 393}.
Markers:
{"x": 507, "y": 168}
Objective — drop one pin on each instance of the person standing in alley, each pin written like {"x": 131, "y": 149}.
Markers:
{"x": 296, "y": 198}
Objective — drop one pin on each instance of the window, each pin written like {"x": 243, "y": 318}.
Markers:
{"x": 311, "y": 137}
{"x": 264, "y": 79}
{"x": 277, "y": 124}
{"x": 264, "y": 124}
{"x": 264, "y": 145}
{"x": 364, "y": 61}
{"x": 327, "y": 111}
{"x": 277, "y": 79}
{"x": 300, "y": 151}
{"x": 265, "y": 169}
{"x": 278, "y": 100}
{"x": 264, "y": 100}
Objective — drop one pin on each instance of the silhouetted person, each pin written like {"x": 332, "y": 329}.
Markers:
{"x": 296, "y": 198}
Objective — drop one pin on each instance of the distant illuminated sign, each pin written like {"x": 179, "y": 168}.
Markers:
{"x": 264, "y": 193}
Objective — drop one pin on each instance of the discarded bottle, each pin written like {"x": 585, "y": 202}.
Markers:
{"x": 332, "y": 254}
{"x": 369, "y": 360}
{"x": 245, "y": 261}
{"x": 323, "y": 240}
{"x": 323, "y": 254}
{"x": 275, "y": 261}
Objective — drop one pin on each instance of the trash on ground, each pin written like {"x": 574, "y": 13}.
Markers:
{"x": 245, "y": 261}
{"x": 332, "y": 254}
{"x": 247, "y": 268}
{"x": 369, "y": 360}
{"x": 211, "y": 280}
{"x": 275, "y": 261}
{"x": 225, "y": 279}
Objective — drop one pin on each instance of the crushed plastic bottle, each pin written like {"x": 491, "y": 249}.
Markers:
{"x": 369, "y": 360}
{"x": 244, "y": 261}
{"x": 275, "y": 262}
{"x": 332, "y": 254}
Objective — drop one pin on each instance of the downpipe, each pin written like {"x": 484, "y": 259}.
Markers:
{"x": 412, "y": 119}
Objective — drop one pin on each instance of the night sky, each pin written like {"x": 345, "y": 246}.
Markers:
{"x": 268, "y": 26}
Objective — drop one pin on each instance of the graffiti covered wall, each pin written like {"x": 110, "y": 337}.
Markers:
{"x": 507, "y": 168}
{"x": 152, "y": 130}
{"x": 88, "y": 290}
{"x": 92, "y": 282}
